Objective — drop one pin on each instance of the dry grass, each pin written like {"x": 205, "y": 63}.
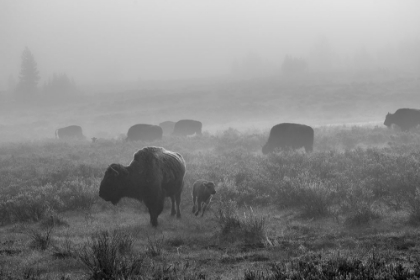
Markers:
{"x": 196, "y": 243}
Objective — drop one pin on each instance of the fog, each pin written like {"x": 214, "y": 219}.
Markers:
{"x": 119, "y": 41}
{"x": 106, "y": 65}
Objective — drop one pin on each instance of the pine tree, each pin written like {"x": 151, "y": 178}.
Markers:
{"x": 29, "y": 74}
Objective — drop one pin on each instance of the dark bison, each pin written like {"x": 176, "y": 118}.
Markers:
{"x": 144, "y": 132}
{"x": 290, "y": 135}
{"x": 69, "y": 132}
{"x": 202, "y": 192}
{"x": 187, "y": 127}
{"x": 167, "y": 127}
{"x": 152, "y": 175}
{"x": 403, "y": 118}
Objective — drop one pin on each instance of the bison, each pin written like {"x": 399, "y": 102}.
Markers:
{"x": 69, "y": 132}
{"x": 202, "y": 193}
{"x": 144, "y": 132}
{"x": 290, "y": 135}
{"x": 187, "y": 127}
{"x": 153, "y": 174}
{"x": 404, "y": 118}
{"x": 167, "y": 127}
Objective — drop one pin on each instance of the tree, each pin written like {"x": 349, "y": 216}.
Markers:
{"x": 60, "y": 85}
{"x": 29, "y": 74}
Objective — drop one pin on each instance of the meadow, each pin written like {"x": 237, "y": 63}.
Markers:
{"x": 349, "y": 209}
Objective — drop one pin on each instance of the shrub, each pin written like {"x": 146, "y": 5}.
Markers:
{"x": 41, "y": 240}
{"x": 249, "y": 229}
{"x": 227, "y": 217}
{"x": 106, "y": 256}
{"x": 24, "y": 207}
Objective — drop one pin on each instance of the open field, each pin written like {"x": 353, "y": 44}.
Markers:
{"x": 244, "y": 105}
{"x": 350, "y": 207}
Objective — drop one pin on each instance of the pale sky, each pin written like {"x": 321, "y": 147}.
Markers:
{"x": 98, "y": 41}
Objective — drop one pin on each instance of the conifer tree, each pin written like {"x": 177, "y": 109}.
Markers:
{"x": 29, "y": 74}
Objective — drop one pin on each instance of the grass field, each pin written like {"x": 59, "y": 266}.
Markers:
{"x": 349, "y": 209}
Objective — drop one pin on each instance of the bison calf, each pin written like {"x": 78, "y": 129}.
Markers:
{"x": 203, "y": 190}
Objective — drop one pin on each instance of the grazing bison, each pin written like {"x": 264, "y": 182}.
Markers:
{"x": 167, "y": 127}
{"x": 187, "y": 127}
{"x": 202, "y": 193}
{"x": 290, "y": 135}
{"x": 69, "y": 132}
{"x": 403, "y": 118}
{"x": 152, "y": 175}
{"x": 144, "y": 132}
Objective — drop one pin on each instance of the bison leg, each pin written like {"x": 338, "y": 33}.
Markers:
{"x": 173, "y": 212}
{"x": 193, "y": 209}
{"x": 178, "y": 202}
{"x": 204, "y": 208}
{"x": 153, "y": 219}
{"x": 198, "y": 208}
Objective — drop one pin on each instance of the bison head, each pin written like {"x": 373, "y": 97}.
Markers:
{"x": 112, "y": 185}
{"x": 210, "y": 188}
{"x": 388, "y": 120}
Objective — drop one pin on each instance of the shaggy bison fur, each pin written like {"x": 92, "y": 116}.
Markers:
{"x": 187, "y": 127}
{"x": 152, "y": 175}
{"x": 144, "y": 132}
{"x": 202, "y": 193}
{"x": 404, "y": 118}
{"x": 290, "y": 136}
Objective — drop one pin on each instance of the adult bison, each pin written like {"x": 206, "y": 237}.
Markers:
{"x": 187, "y": 127}
{"x": 144, "y": 132}
{"x": 167, "y": 127}
{"x": 404, "y": 118}
{"x": 152, "y": 175}
{"x": 290, "y": 135}
{"x": 69, "y": 132}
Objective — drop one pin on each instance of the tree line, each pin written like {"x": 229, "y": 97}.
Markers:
{"x": 28, "y": 80}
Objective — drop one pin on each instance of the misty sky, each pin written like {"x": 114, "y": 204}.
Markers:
{"x": 117, "y": 41}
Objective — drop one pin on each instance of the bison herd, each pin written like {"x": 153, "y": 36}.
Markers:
{"x": 156, "y": 173}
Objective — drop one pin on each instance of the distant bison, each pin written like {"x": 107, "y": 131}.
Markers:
{"x": 403, "y": 118}
{"x": 152, "y": 175}
{"x": 69, "y": 132}
{"x": 187, "y": 127}
{"x": 144, "y": 132}
{"x": 202, "y": 192}
{"x": 290, "y": 135}
{"x": 167, "y": 127}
